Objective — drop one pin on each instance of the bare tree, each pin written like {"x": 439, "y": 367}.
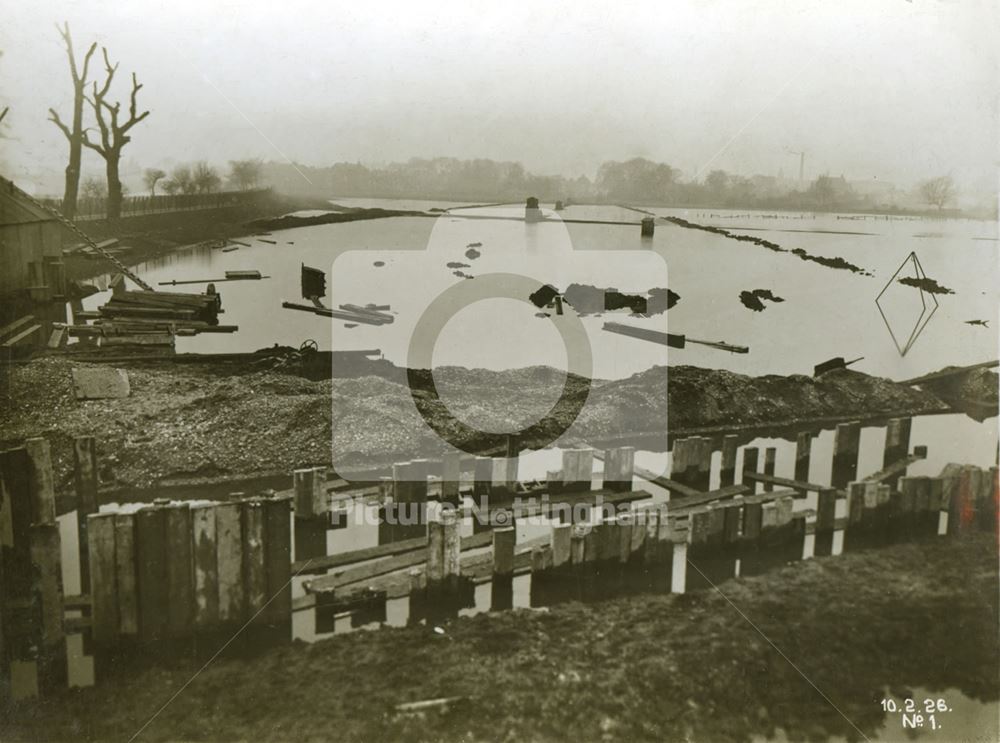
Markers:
{"x": 74, "y": 135}
{"x": 114, "y": 134}
{"x": 92, "y": 188}
{"x": 170, "y": 187}
{"x": 206, "y": 178}
{"x": 938, "y": 191}
{"x": 150, "y": 178}
{"x": 244, "y": 174}
{"x": 181, "y": 180}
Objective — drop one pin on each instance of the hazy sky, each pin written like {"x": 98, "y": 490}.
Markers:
{"x": 889, "y": 88}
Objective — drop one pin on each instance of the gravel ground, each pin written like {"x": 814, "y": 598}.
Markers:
{"x": 193, "y": 421}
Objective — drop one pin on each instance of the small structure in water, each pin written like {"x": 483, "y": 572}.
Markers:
{"x": 531, "y": 211}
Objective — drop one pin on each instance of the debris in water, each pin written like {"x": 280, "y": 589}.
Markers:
{"x": 542, "y": 314}
{"x": 472, "y": 253}
{"x": 753, "y": 299}
{"x": 463, "y": 275}
{"x": 230, "y": 248}
{"x": 350, "y": 325}
{"x": 542, "y": 296}
{"x": 378, "y": 264}
{"x": 984, "y": 323}
{"x": 838, "y": 263}
{"x": 456, "y": 264}
{"x": 474, "y": 245}
{"x": 926, "y": 284}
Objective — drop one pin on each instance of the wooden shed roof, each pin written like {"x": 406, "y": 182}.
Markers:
{"x": 17, "y": 208}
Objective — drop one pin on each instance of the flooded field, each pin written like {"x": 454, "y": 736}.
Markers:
{"x": 826, "y": 311}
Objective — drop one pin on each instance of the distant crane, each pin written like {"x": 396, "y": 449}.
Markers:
{"x": 802, "y": 163}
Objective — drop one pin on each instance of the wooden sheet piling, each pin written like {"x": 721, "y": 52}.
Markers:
{"x": 750, "y": 456}
{"x": 577, "y": 469}
{"x": 127, "y": 585}
{"x": 85, "y": 483}
{"x": 180, "y": 570}
{"x": 204, "y": 540}
{"x": 770, "y": 453}
{"x": 845, "y": 454}
{"x": 727, "y": 472}
{"x": 619, "y": 468}
{"x": 451, "y": 473}
{"x": 310, "y": 493}
{"x": 151, "y": 557}
{"x": 254, "y": 575}
{"x": 104, "y": 587}
{"x": 503, "y": 551}
{"x": 229, "y": 563}
{"x": 278, "y": 557}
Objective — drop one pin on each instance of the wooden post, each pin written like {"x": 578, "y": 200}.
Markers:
{"x": 897, "y": 441}
{"x": 46, "y": 558}
{"x": 561, "y": 543}
{"x": 229, "y": 563}
{"x": 750, "y": 454}
{"x": 625, "y": 525}
{"x": 125, "y": 574}
{"x": 452, "y": 545}
{"x": 701, "y": 477}
{"x": 104, "y": 586}
{"x": 678, "y": 577}
{"x": 310, "y": 493}
{"x": 503, "y": 550}
{"x": 151, "y": 571}
{"x": 845, "y": 454}
{"x": 435, "y": 551}
{"x": 770, "y": 453}
{"x": 180, "y": 570}
{"x": 278, "y": 558}
{"x": 752, "y": 521}
{"x": 577, "y": 544}
{"x": 826, "y": 509}
{"x": 619, "y": 468}
{"x": 482, "y": 476}
{"x": 577, "y": 469}
{"x": 733, "y": 516}
{"x": 727, "y": 474}
{"x": 681, "y": 461}
{"x": 451, "y": 473}
{"x": 85, "y": 482}
{"x": 254, "y": 575}
{"x": 204, "y": 539}
{"x": 803, "y": 449}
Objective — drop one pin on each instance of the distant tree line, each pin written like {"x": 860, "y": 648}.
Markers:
{"x": 637, "y": 181}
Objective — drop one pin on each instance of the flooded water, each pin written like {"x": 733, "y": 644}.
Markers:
{"x": 826, "y": 312}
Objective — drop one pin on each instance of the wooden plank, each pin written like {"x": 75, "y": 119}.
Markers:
{"x": 731, "y": 491}
{"x": 894, "y": 470}
{"x": 803, "y": 451}
{"x": 125, "y": 574}
{"x": 784, "y": 482}
{"x": 85, "y": 481}
{"x": 40, "y": 484}
{"x": 254, "y": 571}
{"x": 180, "y": 570}
{"x": 204, "y": 541}
{"x": 11, "y": 327}
{"x": 229, "y": 559}
{"x": 151, "y": 571}
{"x": 14, "y": 340}
{"x": 278, "y": 559}
{"x": 103, "y": 573}
{"x": 727, "y": 472}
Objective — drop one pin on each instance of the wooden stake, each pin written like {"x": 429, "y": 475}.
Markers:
{"x": 750, "y": 454}
{"x": 803, "y": 449}
{"x": 845, "y": 454}
{"x": 727, "y": 473}
{"x": 770, "y": 453}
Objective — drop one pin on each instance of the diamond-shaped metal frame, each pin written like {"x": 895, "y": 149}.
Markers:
{"x": 921, "y": 321}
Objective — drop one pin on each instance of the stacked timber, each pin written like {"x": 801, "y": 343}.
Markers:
{"x": 128, "y": 306}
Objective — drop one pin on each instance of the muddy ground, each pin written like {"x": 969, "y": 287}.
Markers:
{"x": 186, "y": 421}
{"x": 647, "y": 667}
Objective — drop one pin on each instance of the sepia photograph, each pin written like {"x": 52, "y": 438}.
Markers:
{"x": 509, "y": 372}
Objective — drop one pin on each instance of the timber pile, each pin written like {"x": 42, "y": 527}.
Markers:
{"x": 128, "y": 306}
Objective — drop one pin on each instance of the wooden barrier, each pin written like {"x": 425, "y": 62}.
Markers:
{"x": 845, "y": 454}
{"x": 727, "y": 471}
{"x": 619, "y": 468}
{"x": 803, "y": 451}
{"x": 85, "y": 481}
{"x": 311, "y": 500}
